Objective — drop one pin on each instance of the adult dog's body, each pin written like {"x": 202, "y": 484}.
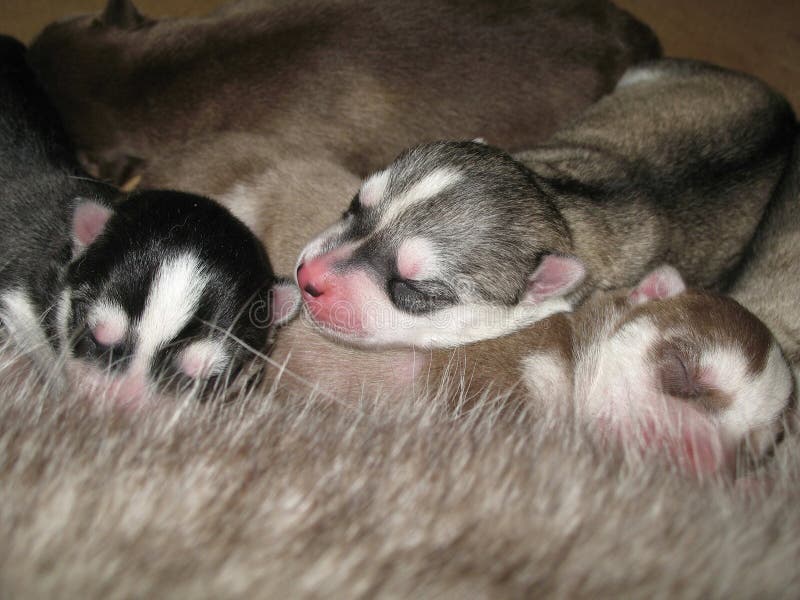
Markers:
{"x": 363, "y": 79}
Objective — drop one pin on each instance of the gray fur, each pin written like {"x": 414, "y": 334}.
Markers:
{"x": 294, "y": 498}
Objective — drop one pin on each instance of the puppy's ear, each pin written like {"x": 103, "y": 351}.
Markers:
{"x": 285, "y": 300}
{"x": 88, "y": 221}
{"x": 663, "y": 282}
{"x": 122, "y": 14}
{"x": 555, "y": 276}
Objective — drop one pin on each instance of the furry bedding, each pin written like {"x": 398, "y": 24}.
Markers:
{"x": 273, "y": 496}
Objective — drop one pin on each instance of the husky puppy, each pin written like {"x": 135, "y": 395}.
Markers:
{"x": 157, "y": 285}
{"x": 459, "y": 241}
{"x": 690, "y": 373}
{"x": 535, "y": 366}
{"x": 362, "y": 79}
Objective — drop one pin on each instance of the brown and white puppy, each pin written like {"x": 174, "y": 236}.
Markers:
{"x": 361, "y": 79}
{"x": 769, "y": 283}
{"x": 458, "y": 241}
{"x": 689, "y": 373}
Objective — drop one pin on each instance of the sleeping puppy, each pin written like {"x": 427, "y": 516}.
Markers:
{"x": 657, "y": 368}
{"x": 155, "y": 287}
{"x": 456, "y": 242}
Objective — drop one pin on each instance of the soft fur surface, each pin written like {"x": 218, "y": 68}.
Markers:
{"x": 278, "y": 497}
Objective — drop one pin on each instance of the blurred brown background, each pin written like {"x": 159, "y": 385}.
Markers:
{"x": 761, "y": 37}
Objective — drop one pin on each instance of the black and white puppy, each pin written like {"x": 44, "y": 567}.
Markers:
{"x": 152, "y": 287}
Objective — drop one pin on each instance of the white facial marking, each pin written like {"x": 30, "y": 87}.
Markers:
{"x": 757, "y": 399}
{"x": 384, "y": 325}
{"x": 636, "y": 75}
{"x": 432, "y": 184}
{"x": 23, "y": 324}
{"x": 109, "y": 323}
{"x": 317, "y": 246}
{"x": 171, "y": 303}
{"x": 203, "y": 359}
{"x": 374, "y": 187}
{"x": 416, "y": 259}
{"x": 615, "y": 381}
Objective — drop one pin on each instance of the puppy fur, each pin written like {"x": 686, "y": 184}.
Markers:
{"x": 153, "y": 285}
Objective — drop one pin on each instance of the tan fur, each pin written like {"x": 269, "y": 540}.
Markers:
{"x": 284, "y": 193}
{"x": 361, "y": 79}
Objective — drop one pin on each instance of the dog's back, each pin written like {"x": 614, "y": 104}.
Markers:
{"x": 769, "y": 282}
{"x": 363, "y": 79}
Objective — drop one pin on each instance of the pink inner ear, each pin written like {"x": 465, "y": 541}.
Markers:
{"x": 88, "y": 222}
{"x": 555, "y": 276}
{"x": 285, "y": 302}
{"x": 664, "y": 282}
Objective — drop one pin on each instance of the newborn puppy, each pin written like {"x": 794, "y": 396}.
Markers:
{"x": 689, "y": 372}
{"x": 657, "y": 368}
{"x": 158, "y": 287}
{"x": 456, "y": 242}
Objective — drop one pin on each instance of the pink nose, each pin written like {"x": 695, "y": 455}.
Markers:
{"x": 332, "y": 298}
{"x": 313, "y": 277}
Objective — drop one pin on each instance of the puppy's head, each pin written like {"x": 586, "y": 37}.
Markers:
{"x": 691, "y": 371}
{"x": 166, "y": 289}
{"x": 450, "y": 244}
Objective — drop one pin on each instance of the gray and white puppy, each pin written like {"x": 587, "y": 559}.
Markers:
{"x": 459, "y": 241}
{"x": 363, "y": 79}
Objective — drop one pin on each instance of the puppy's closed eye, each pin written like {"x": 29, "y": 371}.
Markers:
{"x": 419, "y": 296}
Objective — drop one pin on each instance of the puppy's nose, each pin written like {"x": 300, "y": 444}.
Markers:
{"x": 312, "y": 278}
{"x": 312, "y": 291}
